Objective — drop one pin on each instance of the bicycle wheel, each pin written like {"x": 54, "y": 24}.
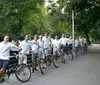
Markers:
{"x": 70, "y": 55}
{"x": 54, "y": 61}
{"x": 76, "y": 54}
{"x": 23, "y": 73}
{"x": 62, "y": 57}
{"x": 40, "y": 66}
{"x": 65, "y": 57}
{"x": 76, "y": 50}
{"x": 85, "y": 48}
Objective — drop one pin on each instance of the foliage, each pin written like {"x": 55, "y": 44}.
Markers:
{"x": 19, "y": 17}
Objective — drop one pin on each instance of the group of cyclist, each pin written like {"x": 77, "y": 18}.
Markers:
{"x": 36, "y": 46}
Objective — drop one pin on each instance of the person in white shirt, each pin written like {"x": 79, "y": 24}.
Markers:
{"x": 70, "y": 42}
{"x": 26, "y": 46}
{"x": 85, "y": 44}
{"x": 81, "y": 41}
{"x": 40, "y": 43}
{"x": 85, "y": 40}
{"x": 46, "y": 47}
{"x": 56, "y": 45}
{"x": 46, "y": 44}
{"x": 76, "y": 43}
{"x": 63, "y": 41}
{"x": 5, "y": 47}
{"x": 50, "y": 38}
{"x": 35, "y": 49}
{"x": 34, "y": 45}
{"x": 41, "y": 53}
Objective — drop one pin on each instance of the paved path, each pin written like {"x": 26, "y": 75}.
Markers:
{"x": 85, "y": 70}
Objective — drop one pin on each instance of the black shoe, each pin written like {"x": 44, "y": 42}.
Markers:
{"x": 32, "y": 70}
{"x": 36, "y": 69}
{"x": 44, "y": 68}
{"x": 2, "y": 80}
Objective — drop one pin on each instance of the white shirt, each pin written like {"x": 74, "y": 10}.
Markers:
{"x": 34, "y": 46}
{"x": 71, "y": 41}
{"x": 51, "y": 39}
{"x": 63, "y": 41}
{"x": 40, "y": 43}
{"x": 56, "y": 45}
{"x": 5, "y": 50}
{"x": 76, "y": 42}
{"x": 85, "y": 41}
{"x": 25, "y": 46}
{"x": 46, "y": 43}
{"x": 81, "y": 40}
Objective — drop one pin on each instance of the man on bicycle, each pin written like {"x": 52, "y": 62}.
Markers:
{"x": 81, "y": 41}
{"x": 85, "y": 44}
{"x": 46, "y": 47}
{"x": 34, "y": 45}
{"x": 35, "y": 51}
{"x": 63, "y": 41}
{"x": 5, "y": 47}
{"x": 50, "y": 38}
{"x": 41, "y": 53}
{"x": 26, "y": 46}
{"x": 76, "y": 43}
{"x": 40, "y": 43}
{"x": 46, "y": 41}
{"x": 56, "y": 45}
{"x": 70, "y": 42}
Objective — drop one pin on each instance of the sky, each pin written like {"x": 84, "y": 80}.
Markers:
{"x": 47, "y": 3}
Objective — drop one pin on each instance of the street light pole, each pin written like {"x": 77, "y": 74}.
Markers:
{"x": 73, "y": 31}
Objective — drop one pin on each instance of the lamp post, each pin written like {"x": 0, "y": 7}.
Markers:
{"x": 73, "y": 30}
{"x": 73, "y": 35}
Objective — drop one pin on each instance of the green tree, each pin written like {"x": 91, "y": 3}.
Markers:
{"x": 18, "y": 17}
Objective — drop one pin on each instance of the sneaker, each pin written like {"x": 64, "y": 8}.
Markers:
{"x": 37, "y": 69}
{"x": 44, "y": 67}
{"x": 32, "y": 70}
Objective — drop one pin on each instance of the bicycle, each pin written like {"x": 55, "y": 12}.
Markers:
{"x": 50, "y": 58}
{"x": 80, "y": 48}
{"x": 22, "y": 71}
{"x": 36, "y": 62}
{"x": 58, "y": 55}
{"x": 85, "y": 47}
{"x": 66, "y": 52}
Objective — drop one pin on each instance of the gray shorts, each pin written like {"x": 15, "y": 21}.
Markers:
{"x": 41, "y": 55}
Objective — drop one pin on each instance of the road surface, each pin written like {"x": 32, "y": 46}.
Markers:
{"x": 85, "y": 70}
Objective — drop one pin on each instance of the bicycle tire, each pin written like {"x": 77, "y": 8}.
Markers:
{"x": 39, "y": 64}
{"x": 62, "y": 57}
{"x": 20, "y": 69}
{"x": 71, "y": 57}
{"x": 54, "y": 61}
